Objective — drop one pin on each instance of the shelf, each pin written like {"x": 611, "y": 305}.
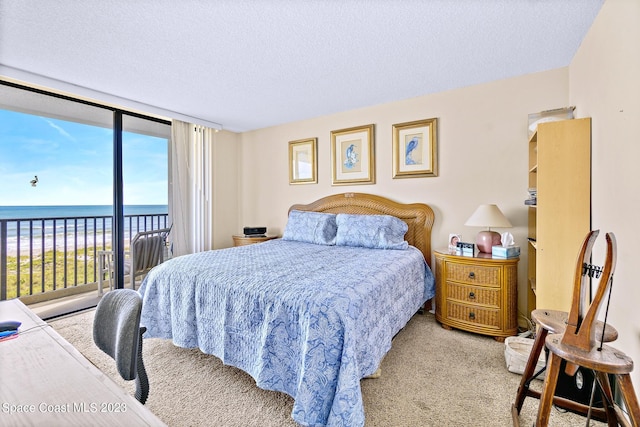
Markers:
{"x": 559, "y": 170}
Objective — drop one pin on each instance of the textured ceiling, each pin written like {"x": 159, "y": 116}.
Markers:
{"x": 253, "y": 64}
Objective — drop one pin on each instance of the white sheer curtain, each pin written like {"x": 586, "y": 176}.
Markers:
{"x": 191, "y": 188}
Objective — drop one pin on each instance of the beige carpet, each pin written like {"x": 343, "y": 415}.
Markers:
{"x": 431, "y": 377}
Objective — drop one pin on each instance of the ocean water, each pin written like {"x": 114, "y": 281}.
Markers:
{"x": 44, "y": 223}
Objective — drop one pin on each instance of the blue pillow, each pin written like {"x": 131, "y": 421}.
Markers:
{"x": 371, "y": 231}
{"x": 311, "y": 227}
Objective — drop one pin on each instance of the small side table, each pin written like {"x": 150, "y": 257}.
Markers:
{"x": 242, "y": 240}
{"x": 477, "y": 294}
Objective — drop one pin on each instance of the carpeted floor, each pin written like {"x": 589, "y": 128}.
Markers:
{"x": 431, "y": 377}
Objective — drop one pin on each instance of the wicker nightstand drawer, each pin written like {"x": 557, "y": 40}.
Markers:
{"x": 473, "y": 274}
{"x": 477, "y": 294}
{"x": 486, "y": 296}
{"x": 484, "y": 317}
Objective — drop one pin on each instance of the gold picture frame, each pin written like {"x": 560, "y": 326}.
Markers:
{"x": 303, "y": 161}
{"x": 352, "y": 156}
{"x": 415, "y": 149}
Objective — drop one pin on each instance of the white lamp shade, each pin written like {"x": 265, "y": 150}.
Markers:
{"x": 488, "y": 216}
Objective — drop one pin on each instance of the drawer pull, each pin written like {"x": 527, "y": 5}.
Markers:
{"x": 472, "y": 275}
{"x": 472, "y": 316}
{"x": 472, "y": 295}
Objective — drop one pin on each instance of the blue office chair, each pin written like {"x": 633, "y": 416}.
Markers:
{"x": 117, "y": 332}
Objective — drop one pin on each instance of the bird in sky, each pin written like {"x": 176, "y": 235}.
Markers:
{"x": 34, "y": 181}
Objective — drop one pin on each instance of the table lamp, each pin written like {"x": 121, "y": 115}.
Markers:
{"x": 488, "y": 216}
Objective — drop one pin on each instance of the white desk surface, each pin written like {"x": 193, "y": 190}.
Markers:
{"x": 44, "y": 380}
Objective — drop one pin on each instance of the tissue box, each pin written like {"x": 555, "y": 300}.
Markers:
{"x": 505, "y": 251}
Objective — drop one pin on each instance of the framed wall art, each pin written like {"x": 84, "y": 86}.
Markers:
{"x": 303, "y": 161}
{"x": 415, "y": 149}
{"x": 352, "y": 155}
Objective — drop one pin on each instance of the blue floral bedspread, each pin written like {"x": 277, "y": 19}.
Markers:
{"x": 308, "y": 320}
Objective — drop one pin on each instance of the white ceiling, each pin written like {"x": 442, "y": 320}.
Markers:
{"x": 252, "y": 64}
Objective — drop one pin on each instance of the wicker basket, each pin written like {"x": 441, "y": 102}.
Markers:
{"x": 516, "y": 354}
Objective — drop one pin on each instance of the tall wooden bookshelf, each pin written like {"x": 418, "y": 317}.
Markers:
{"x": 560, "y": 171}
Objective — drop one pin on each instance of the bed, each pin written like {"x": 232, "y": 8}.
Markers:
{"x": 309, "y": 314}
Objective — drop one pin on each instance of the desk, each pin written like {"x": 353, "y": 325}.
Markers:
{"x": 44, "y": 380}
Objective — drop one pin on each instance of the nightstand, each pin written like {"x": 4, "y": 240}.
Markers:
{"x": 477, "y": 294}
{"x": 242, "y": 240}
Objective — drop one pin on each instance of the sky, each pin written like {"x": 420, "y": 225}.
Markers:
{"x": 74, "y": 163}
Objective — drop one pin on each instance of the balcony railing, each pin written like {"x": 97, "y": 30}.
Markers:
{"x": 39, "y": 255}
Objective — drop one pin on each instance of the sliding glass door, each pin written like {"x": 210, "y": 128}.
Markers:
{"x": 64, "y": 163}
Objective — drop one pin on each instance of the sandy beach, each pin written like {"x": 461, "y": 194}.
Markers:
{"x": 48, "y": 244}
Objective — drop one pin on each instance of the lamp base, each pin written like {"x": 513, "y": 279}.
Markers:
{"x": 485, "y": 240}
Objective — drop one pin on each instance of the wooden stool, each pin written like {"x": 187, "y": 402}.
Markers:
{"x": 554, "y": 322}
{"x": 578, "y": 345}
{"x": 603, "y": 361}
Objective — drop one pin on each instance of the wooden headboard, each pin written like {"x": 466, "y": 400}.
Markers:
{"x": 418, "y": 216}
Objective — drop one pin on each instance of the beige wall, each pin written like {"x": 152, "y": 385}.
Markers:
{"x": 225, "y": 181}
{"x": 482, "y": 144}
{"x": 605, "y": 85}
